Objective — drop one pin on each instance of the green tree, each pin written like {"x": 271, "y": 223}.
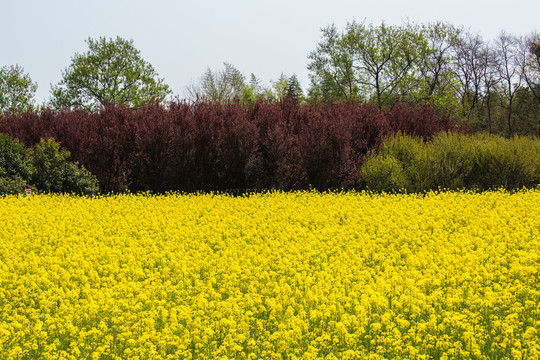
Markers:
{"x": 16, "y": 89}
{"x": 287, "y": 87}
{"x": 110, "y": 71}
{"x": 366, "y": 62}
{"x": 255, "y": 90}
{"x": 279, "y": 87}
{"x": 527, "y": 99}
{"x": 474, "y": 68}
{"x": 438, "y": 81}
{"x": 229, "y": 84}
{"x": 331, "y": 68}
{"x": 293, "y": 89}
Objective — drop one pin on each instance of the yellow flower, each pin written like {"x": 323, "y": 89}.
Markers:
{"x": 302, "y": 275}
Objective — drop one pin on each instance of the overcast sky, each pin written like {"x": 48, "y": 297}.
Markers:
{"x": 182, "y": 38}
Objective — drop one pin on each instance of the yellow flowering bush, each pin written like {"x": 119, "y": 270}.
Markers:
{"x": 301, "y": 275}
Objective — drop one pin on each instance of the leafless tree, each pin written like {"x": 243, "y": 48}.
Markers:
{"x": 490, "y": 79}
{"x": 218, "y": 85}
{"x": 508, "y": 68}
{"x": 470, "y": 67}
{"x": 528, "y": 57}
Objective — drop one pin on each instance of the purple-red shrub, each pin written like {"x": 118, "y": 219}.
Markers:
{"x": 205, "y": 146}
{"x": 226, "y": 147}
{"x": 278, "y": 127}
{"x": 421, "y": 120}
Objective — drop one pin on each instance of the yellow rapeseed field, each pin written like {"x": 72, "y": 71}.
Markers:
{"x": 302, "y": 275}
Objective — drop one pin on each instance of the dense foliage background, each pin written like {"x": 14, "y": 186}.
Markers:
{"x": 212, "y": 146}
{"x": 367, "y": 82}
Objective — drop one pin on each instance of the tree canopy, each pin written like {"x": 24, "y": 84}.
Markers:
{"x": 381, "y": 64}
{"x": 16, "y": 89}
{"x": 491, "y": 85}
{"x": 110, "y": 71}
{"x": 229, "y": 84}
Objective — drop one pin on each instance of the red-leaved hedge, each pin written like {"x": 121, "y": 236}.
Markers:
{"x": 213, "y": 147}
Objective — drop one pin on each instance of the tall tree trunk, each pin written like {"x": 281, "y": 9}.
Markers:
{"x": 509, "y": 119}
{"x": 489, "y": 113}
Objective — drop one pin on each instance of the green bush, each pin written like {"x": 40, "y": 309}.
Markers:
{"x": 410, "y": 152}
{"x": 453, "y": 161}
{"x": 52, "y": 172}
{"x": 11, "y": 158}
{"x": 14, "y": 172}
{"x": 13, "y": 185}
{"x": 43, "y": 168}
{"x": 511, "y": 163}
{"x": 384, "y": 173}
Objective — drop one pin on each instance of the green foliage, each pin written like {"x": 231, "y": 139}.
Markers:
{"x": 43, "y": 168}
{"x": 111, "y": 71}
{"x": 366, "y": 62}
{"x": 437, "y": 82}
{"x": 256, "y": 91}
{"x": 12, "y": 164}
{"x": 532, "y": 65}
{"x": 511, "y": 163}
{"x": 331, "y": 69}
{"x": 53, "y": 172}
{"x": 384, "y": 174}
{"x": 13, "y": 185}
{"x": 229, "y": 85}
{"x": 16, "y": 89}
{"x": 293, "y": 89}
{"x": 410, "y": 153}
{"x": 14, "y": 171}
{"x": 453, "y": 161}
{"x": 493, "y": 86}
{"x": 288, "y": 87}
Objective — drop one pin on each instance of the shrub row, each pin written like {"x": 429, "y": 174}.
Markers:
{"x": 204, "y": 146}
{"x": 453, "y": 161}
{"x": 43, "y": 167}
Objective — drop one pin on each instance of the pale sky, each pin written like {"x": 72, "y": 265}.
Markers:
{"x": 182, "y": 38}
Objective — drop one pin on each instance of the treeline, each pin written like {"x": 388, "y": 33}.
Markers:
{"x": 367, "y": 83}
{"x": 493, "y": 86}
{"x": 225, "y": 147}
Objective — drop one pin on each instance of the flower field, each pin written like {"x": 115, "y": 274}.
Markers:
{"x": 300, "y": 275}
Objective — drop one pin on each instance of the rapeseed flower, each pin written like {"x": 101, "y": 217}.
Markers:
{"x": 302, "y": 275}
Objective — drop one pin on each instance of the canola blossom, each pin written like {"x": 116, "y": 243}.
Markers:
{"x": 301, "y": 275}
